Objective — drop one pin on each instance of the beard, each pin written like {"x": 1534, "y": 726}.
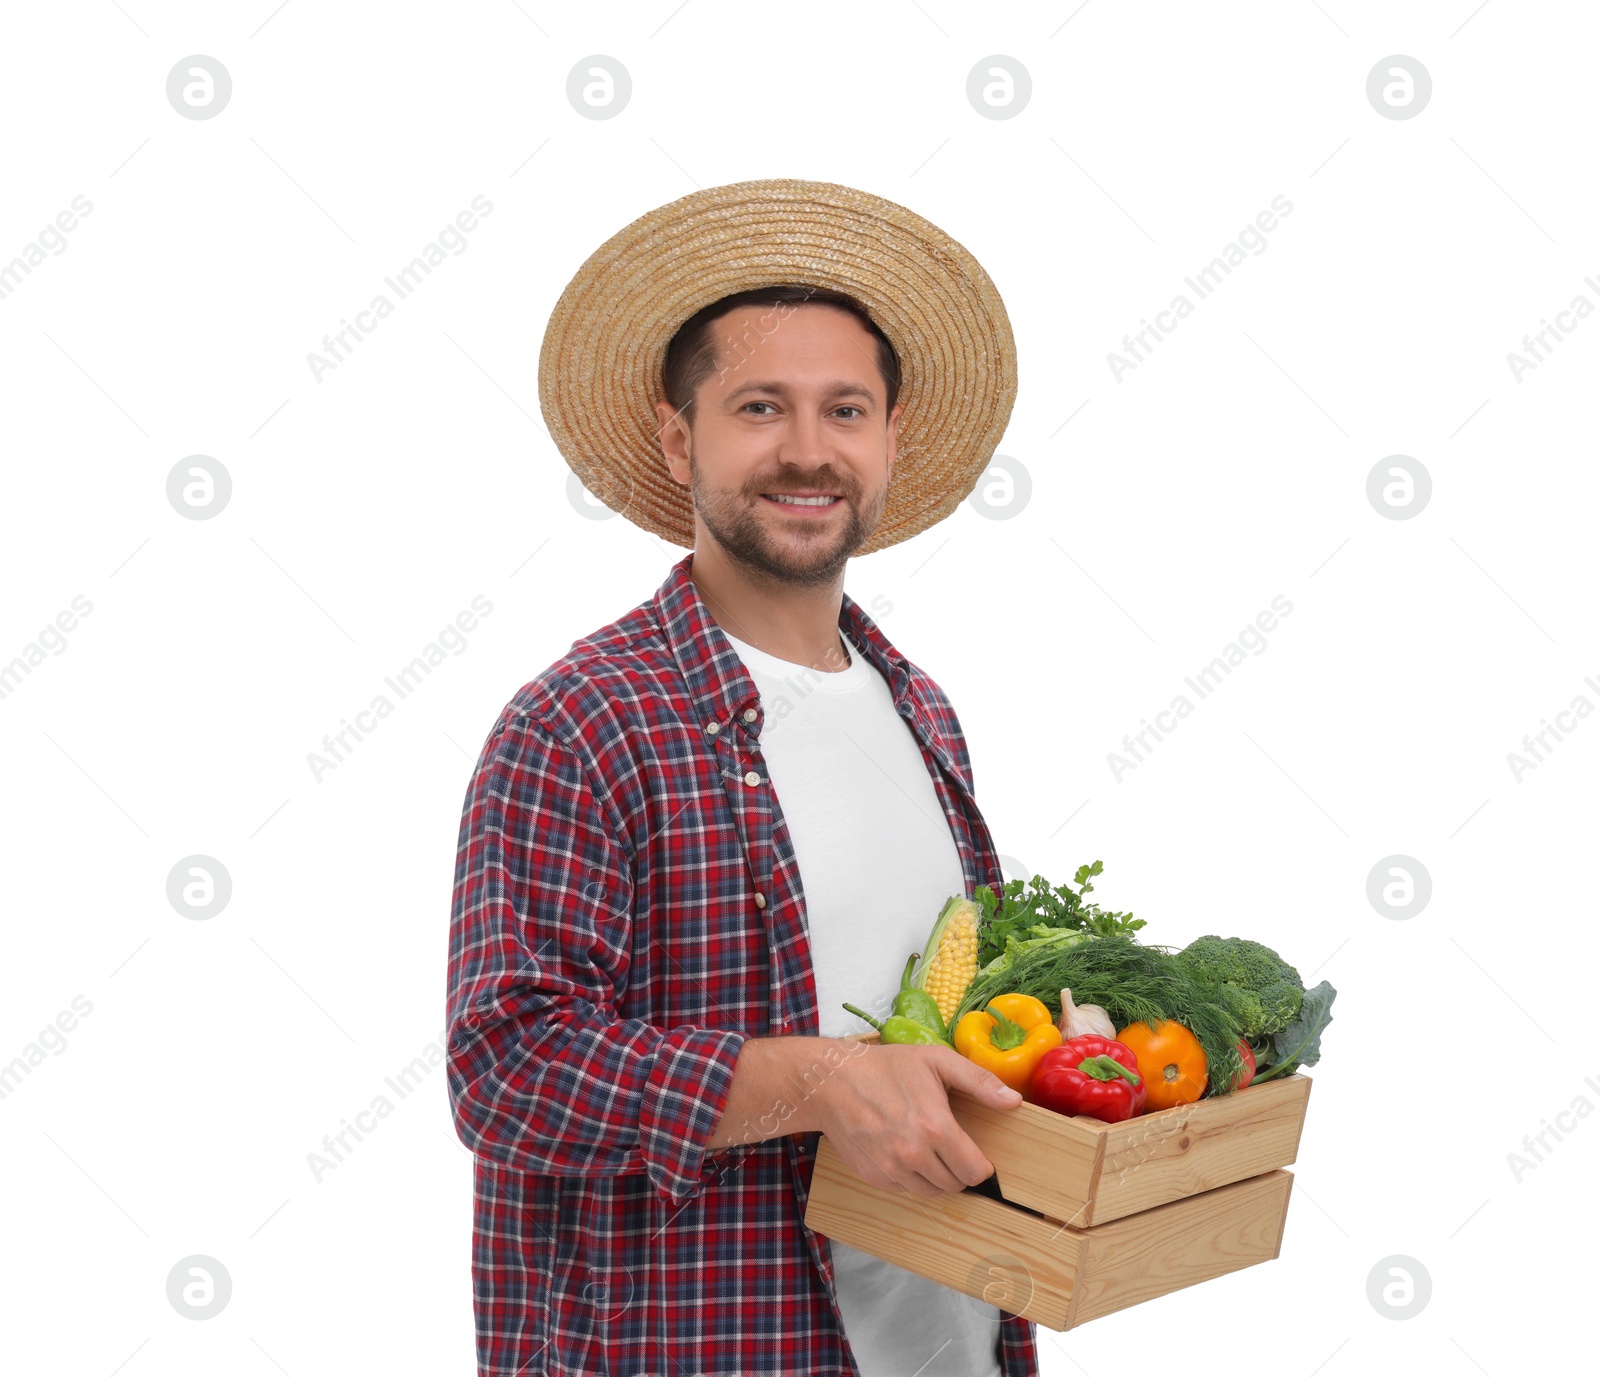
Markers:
{"x": 808, "y": 558}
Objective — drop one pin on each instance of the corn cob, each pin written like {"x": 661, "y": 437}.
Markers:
{"x": 950, "y": 959}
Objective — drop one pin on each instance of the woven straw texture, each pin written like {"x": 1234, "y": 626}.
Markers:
{"x": 600, "y": 366}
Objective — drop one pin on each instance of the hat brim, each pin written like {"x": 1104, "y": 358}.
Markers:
{"x": 600, "y": 366}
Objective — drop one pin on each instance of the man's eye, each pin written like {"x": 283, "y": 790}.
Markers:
{"x": 854, "y": 410}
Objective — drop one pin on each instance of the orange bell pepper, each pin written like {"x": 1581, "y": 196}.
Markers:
{"x": 1008, "y": 1037}
{"x": 1171, "y": 1061}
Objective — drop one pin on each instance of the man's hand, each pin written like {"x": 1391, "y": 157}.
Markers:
{"x": 887, "y": 1112}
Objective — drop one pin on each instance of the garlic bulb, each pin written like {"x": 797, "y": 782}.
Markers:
{"x": 1076, "y": 1020}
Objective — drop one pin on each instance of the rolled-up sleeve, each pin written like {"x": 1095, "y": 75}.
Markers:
{"x": 544, "y": 1075}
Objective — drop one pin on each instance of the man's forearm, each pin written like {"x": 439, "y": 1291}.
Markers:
{"x": 775, "y": 1084}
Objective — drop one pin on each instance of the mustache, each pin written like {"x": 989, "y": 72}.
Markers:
{"x": 826, "y": 485}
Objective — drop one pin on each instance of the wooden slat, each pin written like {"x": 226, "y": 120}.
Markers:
{"x": 1142, "y": 1256}
{"x": 975, "y": 1245}
{"x": 1042, "y": 1160}
{"x": 1157, "y": 1158}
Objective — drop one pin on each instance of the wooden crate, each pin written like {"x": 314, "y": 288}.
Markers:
{"x": 1095, "y": 1217}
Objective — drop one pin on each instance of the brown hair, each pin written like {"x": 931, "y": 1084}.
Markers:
{"x": 692, "y": 353}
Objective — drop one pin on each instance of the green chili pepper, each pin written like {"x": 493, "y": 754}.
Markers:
{"x": 897, "y": 1028}
{"x": 918, "y": 1005}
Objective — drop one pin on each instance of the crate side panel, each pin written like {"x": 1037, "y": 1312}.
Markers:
{"x": 1159, "y": 1158}
{"x": 1043, "y": 1160}
{"x": 975, "y": 1245}
{"x": 1183, "y": 1243}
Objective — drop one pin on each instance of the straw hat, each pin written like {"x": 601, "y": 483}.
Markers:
{"x": 600, "y": 367}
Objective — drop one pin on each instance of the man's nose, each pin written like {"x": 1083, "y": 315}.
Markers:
{"x": 804, "y": 439}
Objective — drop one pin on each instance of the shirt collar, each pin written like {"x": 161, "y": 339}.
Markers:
{"x": 720, "y": 685}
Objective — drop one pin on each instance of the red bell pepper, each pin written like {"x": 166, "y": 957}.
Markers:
{"x": 1091, "y": 1075}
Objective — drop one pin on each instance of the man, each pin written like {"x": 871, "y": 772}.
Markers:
{"x": 696, "y": 834}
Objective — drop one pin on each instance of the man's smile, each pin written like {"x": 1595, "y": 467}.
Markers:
{"x": 809, "y": 506}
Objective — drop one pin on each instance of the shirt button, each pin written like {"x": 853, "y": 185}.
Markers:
{"x": 752, "y": 778}
{"x": 761, "y": 899}
{"x": 749, "y": 714}
{"x": 713, "y": 727}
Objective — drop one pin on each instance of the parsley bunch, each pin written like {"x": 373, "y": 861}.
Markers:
{"x": 1027, "y": 910}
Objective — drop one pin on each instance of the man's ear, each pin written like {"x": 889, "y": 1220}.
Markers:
{"x": 892, "y": 429}
{"x": 672, "y": 430}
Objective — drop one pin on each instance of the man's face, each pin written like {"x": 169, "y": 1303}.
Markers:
{"x": 796, "y": 407}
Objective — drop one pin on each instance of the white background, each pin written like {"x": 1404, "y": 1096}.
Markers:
{"x": 370, "y": 507}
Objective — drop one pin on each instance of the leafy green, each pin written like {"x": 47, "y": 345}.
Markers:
{"x": 1039, "y": 935}
{"x": 1035, "y": 909}
{"x": 1259, "y": 986}
{"x": 1133, "y": 983}
{"x": 1300, "y": 1043}
{"x": 1040, "y": 939}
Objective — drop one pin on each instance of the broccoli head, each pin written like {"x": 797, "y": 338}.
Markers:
{"x": 1256, "y": 985}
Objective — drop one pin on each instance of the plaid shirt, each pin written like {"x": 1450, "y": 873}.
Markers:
{"x": 627, "y": 911}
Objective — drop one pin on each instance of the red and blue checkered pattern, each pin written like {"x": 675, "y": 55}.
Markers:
{"x": 627, "y": 911}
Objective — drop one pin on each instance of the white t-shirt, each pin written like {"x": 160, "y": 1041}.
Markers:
{"x": 877, "y": 863}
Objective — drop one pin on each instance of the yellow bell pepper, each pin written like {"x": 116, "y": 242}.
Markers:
{"x": 1008, "y": 1037}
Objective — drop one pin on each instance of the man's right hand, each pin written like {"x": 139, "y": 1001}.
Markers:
{"x": 886, "y": 1110}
